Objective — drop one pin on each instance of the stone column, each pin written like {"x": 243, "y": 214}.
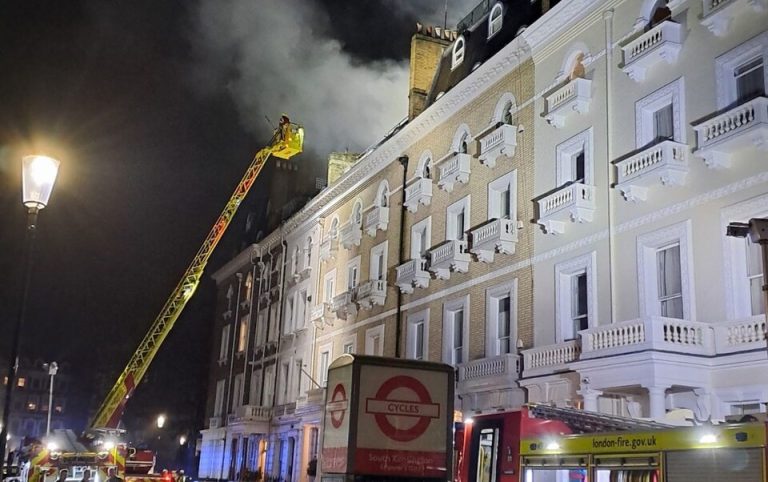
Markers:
{"x": 590, "y": 398}
{"x": 657, "y": 397}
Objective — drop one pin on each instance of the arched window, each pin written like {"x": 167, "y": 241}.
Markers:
{"x": 495, "y": 20}
{"x": 424, "y": 168}
{"x": 382, "y": 195}
{"x": 334, "y": 231}
{"x": 577, "y": 70}
{"x": 357, "y": 213}
{"x": 463, "y": 147}
{"x": 660, "y": 13}
{"x": 458, "y": 52}
{"x": 505, "y": 110}
{"x": 461, "y": 140}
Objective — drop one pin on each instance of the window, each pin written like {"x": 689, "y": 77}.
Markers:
{"x": 272, "y": 329}
{"x": 21, "y": 382}
{"x": 665, "y": 272}
{"x": 249, "y": 287}
{"x": 750, "y": 79}
{"x": 418, "y": 335}
{"x": 382, "y": 196}
{"x": 670, "y": 294}
{"x": 301, "y": 309}
{"x": 223, "y": 348}
{"x": 458, "y": 219}
{"x": 290, "y": 301}
{"x": 255, "y": 395}
{"x": 455, "y": 331}
{"x": 378, "y": 267}
{"x": 577, "y": 70}
{"x": 242, "y": 338}
{"x": 299, "y": 378}
{"x": 501, "y": 309}
{"x": 505, "y": 110}
{"x": 237, "y": 392}
{"x": 502, "y": 197}
{"x": 269, "y": 386}
{"x": 329, "y": 286}
{"x": 424, "y": 168}
{"x": 353, "y": 273}
{"x": 334, "y": 232}
{"x": 284, "y": 381}
{"x": 323, "y": 361}
{"x": 357, "y": 213}
{"x": 421, "y": 238}
{"x": 741, "y": 73}
{"x": 374, "y": 341}
{"x": 261, "y": 328}
{"x": 495, "y": 20}
{"x": 754, "y": 255}
{"x": 218, "y": 406}
{"x": 458, "y": 52}
{"x": 575, "y": 296}
{"x": 659, "y": 116}
{"x": 574, "y": 159}
{"x": 348, "y": 348}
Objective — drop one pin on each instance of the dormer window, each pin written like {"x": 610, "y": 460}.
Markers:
{"x": 495, "y": 20}
{"x": 458, "y": 53}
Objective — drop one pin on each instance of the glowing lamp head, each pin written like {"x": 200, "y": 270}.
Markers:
{"x": 469, "y": 421}
{"x": 160, "y": 421}
{"x": 109, "y": 445}
{"x": 553, "y": 446}
{"x": 52, "y": 447}
{"x": 38, "y": 176}
{"x": 708, "y": 438}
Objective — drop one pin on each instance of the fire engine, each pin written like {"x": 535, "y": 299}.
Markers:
{"x": 100, "y": 449}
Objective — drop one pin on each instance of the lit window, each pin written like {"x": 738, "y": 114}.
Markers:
{"x": 31, "y": 406}
{"x": 21, "y": 382}
{"x": 243, "y": 334}
{"x": 495, "y": 20}
{"x": 458, "y": 53}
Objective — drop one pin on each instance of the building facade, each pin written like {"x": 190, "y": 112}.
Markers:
{"x": 550, "y": 220}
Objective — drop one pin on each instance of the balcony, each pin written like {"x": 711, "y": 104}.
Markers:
{"x": 412, "y": 274}
{"x": 574, "y": 96}
{"x": 500, "y": 141}
{"x": 214, "y": 422}
{"x": 454, "y": 168}
{"x": 665, "y": 163}
{"x": 662, "y": 42}
{"x": 451, "y": 255}
{"x": 344, "y": 305}
{"x": 495, "y": 236}
{"x": 321, "y": 315}
{"x": 717, "y": 15}
{"x": 371, "y": 293}
{"x": 548, "y": 359}
{"x": 493, "y": 370}
{"x": 574, "y": 202}
{"x": 376, "y": 218}
{"x": 741, "y": 127}
{"x": 418, "y": 191}
{"x": 250, "y": 413}
{"x": 328, "y": 248}
{"x": 350, "y": 234}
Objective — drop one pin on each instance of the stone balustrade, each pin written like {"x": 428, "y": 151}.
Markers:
{"x": 452, "y": 255}
{"x": 412, "y": 273}
{"x": 574, "y": 202}
{"x": 662, "y": 42}
{"x": 498, "y": 142}
{"x": 497, "y": 235}
{"x": 371, "y": 293}
{"x": 574, "y": 96}
{"x": 376, "y": 217}
{"x": 454, "y": 168}
{"x": 665, "y": 162}
{"x": 418, "y": 191}
{"x": 350, "y": 234}
{"x": 507, "y": 365}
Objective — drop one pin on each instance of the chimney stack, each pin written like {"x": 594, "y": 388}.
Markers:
{"x": 427, "y": 46}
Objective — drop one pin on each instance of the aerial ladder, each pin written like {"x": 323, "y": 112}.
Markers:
{"x": 287, "y": 142}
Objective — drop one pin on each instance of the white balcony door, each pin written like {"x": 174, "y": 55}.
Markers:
{"x": 755, "y": 277}
{"x": 669, "y": 281}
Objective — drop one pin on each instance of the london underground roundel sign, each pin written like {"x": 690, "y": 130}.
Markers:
{"x": 392, "y": 412}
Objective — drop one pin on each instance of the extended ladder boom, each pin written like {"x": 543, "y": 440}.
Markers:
{"x": 285, "y": 145}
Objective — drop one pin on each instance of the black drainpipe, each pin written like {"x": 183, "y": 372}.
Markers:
{"x": 403, "y": 160}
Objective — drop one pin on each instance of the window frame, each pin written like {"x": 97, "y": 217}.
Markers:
{"x": 353, "y": 263}
{"x": 412, "y": 320}
{"x": 423, "y": 225}
{"x": 645, "y": 108}
{"x": 493, "y": 296}
{"x": 329, "y": 276}
{"x": 449, "y": 308}
{"x": 378, "y": 251}
{"x": 564, "y": 273}
{"x": 323, "y": 373}
{"x": 347, "y": 341}
{"x": 727, "y": 63}
{"x": 494, "y": 191}
{"x": 243, "y": 329}
{"x": 370, "y": 335}
{"x": 567, "y": 150}
{"x": 218, "y": 401}
{"x": 224, "y": 342}
{"x": 356, "y": 218}
{"x": 457, "y": 52}
{"x": 452, "y": 213}
{"x": 495, "y": 24}
{"x": 647, "y": 246}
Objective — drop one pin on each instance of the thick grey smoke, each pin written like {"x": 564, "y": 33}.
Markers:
{"x": 272, "y": 58}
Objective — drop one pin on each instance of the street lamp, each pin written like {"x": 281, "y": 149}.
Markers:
{"x": 160, "y": 421}
{"x": 38, "y": 177}
{"x": 52, "y": 368}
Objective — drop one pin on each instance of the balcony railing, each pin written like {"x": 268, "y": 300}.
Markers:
{"x": 574, "y": 202}
{"x": 500, "y": 141}
{"x": 495, "y": 236}
{"x": 743, "y": 335}
{"x": 376, "y": 218}
{"x": 574, "y": 96}
{"x": 250, "y": 414}
{"x": 451, "y": 255}
{"x": 418, "y": 191}
{"x": 344, "y": 305}
{"x": 412, "y": 273}
{"x": 321, "y": 315}
{"x": 328, "y": 248}
{"x": 665, "y": 163}
{"x": 350, "y": 234}
{"x": 743, "y": 126}
{"x": 502, "y": 366}
{"x": 662, "y": 42}
{"x": 214, "y": 422}
{"x": 550, "y": 358}
{"x": 717, "y": 15}
{"x": 371, "y": 293}
{"x": 455, "y": 168}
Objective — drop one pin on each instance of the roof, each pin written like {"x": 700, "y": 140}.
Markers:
{"x": 478, "y": 47}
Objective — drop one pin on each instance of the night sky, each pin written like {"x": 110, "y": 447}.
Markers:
{"x": 155, "y": 109}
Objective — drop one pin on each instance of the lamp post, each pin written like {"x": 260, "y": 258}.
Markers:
{"x": 52, "y": 368}
{"x": 38, "y": 177}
